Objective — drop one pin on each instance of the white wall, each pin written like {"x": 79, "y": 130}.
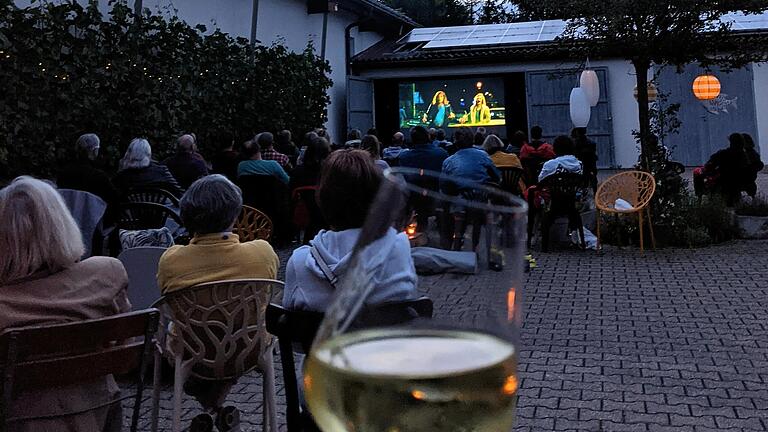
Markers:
{"x": 621, "y": 82}
{"x": 760, "y": 73}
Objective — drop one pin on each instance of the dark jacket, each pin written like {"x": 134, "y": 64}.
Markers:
{"x": 152, "y": 176}
{"x": 225, "y": 163}
{"x": 424, "y": 156}
{"x": 186, "y": 168}
{"x": 82, "y": 175}
{"x": 305, "y": 176}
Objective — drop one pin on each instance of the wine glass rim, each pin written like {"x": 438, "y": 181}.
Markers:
{"x": 516, "y": 204}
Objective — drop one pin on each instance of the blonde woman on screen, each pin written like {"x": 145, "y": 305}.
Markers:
{"x": 439, "y": 111}
{"x": 479, "y": 113}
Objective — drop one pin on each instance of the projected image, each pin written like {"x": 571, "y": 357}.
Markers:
{"x": 453, "y": 103}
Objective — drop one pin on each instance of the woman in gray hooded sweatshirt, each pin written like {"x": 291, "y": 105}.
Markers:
{"x": 348, "y": 185}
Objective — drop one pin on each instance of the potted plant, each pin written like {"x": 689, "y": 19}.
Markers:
{"x": 752, "y": 218}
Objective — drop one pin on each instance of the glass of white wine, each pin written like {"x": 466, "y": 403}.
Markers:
{"x": 395, "y": 368}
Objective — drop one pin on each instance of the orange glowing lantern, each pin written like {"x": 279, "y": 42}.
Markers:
{"x": 706, "y": 87}
{"x": 411, "y": 230}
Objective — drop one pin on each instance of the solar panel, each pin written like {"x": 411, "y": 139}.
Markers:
{"x": 533, "y": 31}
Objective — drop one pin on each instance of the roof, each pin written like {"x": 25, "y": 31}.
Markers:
{"x": 533, "y": 40}
{"x": 379, "y": 8}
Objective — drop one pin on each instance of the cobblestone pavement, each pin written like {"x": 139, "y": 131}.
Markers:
{"x": 675, "y": 340}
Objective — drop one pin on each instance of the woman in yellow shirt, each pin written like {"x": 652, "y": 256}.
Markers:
{"x": 479, "y": 113}
{"x": 493, "y": 146}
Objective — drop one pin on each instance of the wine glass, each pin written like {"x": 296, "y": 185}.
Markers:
{"x": 455, "y": 370}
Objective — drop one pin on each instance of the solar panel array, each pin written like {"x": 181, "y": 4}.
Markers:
{"x": 530, "y": 32}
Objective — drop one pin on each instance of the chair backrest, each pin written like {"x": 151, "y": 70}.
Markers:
{"x": 635, "y": 187}
{"x": 510, "y": 179}
{"x": 145, "y": 215}
{"x": 153, "y": 195}
{"x": 39, "y": 357}
{"x": 141, "y": 265}
{"x": 531, "y": 168}
{"x": 264, "y": 192}
{"x": 88, "y": 211}
{"x": 220, "y": 327}
{"x": 563, "y": 189}
{"x": 305, "y": 209}
{"x": 252, "y": 224}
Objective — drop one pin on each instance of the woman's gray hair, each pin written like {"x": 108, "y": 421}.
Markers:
{"x": 138, "y": 155}
{"x": 492, "y": 144}
{"x": 88, "y": 145}
{"x": 38, "y": 231}
{"x": 211, "y": 205}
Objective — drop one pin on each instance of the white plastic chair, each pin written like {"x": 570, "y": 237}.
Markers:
{"x": 141, "y": 265}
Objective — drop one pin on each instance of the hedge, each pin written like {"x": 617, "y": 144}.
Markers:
{"x": 67, "y": 69}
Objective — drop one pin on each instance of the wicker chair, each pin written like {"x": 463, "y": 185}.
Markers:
{"x": 153, "y": 195}
{"x": 252, "y": 224}
{"x": 219, "y": 334}
{"x": 635, "y": 187}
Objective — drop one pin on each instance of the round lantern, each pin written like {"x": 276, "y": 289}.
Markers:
{"x": 580, "y": 109}
{"x": 653, "y": 93}
{"x": 591, "y": 86}
{"x": 706, "y": 87}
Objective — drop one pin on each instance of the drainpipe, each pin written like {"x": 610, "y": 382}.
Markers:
{"x": 138, "y": 5}
{"x": 254, "y": 21}
{"x": 347, "y": 46}
{"x": 325, "y": 35}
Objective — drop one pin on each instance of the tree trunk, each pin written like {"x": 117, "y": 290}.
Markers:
{"x": 641, "y": 69}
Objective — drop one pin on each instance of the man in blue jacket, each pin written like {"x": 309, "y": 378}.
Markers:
{"x": 423, "y": 154}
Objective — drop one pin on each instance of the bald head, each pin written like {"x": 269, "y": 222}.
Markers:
{"x": 185, "y": 144}
{"x": 398, "y": 139}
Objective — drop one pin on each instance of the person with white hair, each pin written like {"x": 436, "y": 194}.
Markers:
{"x": 82, "y": 173}
{"x": 43, "y": 281}
{"x": 138, "y": 170}
{"x": 186, "y": 166}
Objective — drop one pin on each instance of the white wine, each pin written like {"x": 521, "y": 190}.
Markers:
{"x": 412, "y": 381}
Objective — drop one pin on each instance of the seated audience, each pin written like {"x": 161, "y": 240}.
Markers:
{"x": 186, "y": 165}
{"x": 470, "y": 163}
{"x": 565, "y": 160}
{"x": 348, "y": 186}
{"x": 727, "y": 172}
{"x": 43, "y": 281}
{"x": 754, "y": 165}
{"x": 308, "y": 174}
{"x": 209, "y": 210}
{"x": 138, "y": 170}
{"x": 423, "y": 154}
{"x": 255, "y": 165}
{"x": 392, "y": 152}
{"x": 479, "y": 137}
{"x": 441, "y": 141}
{"x": 353, "y": 139}
{"x": 537, "y": 148}
{"x": 284, "y": 144}
{"x": 371, "y": 144}
{"x": 517, "y": 142}
{"x": 586, "y": 151}
{"x": 82, "y": 173}
{"x": 308, "y": 138}
{"x": 226, "y": 160}
{"x": 494, "y": 147}
{"x": 266, "y": 143}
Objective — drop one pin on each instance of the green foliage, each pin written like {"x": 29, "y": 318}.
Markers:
{"x": 496, "y": 12}
{"x": 435, "y": 13}
{"x": 66, "y": 69}
{"x": 757, "y": 206}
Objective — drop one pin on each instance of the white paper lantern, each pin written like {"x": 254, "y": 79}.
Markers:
{"x": 580, "y": 109}
{"x": 591, "y": 86}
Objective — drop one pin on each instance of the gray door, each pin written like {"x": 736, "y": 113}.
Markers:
{"x": 549, "y": 94}
{"x": 359, "y": 103}
{"x": 705, "y": 125}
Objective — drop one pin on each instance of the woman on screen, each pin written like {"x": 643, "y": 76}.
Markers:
{"x": 479, "y": 113}
{"x": 439, "y": 112}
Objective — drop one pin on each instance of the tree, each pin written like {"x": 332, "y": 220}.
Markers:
{"x": 435, "y": 13}
{"x": 646, "y": 32}
{"x": 496, "y": 12}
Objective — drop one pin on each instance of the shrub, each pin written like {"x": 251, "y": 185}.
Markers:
{"x": 65, "y": 69}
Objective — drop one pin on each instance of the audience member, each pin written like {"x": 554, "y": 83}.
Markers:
{"x": 565, "y": 161}
{"x": 266, "y": 143}
{"x": 43, "y": 281}
{"x": 255, "y": 165}
{"x": 537, "y": 148}
{"x": 517, "y": 142}
{"x": 494, "y": 147}
{"x": 138, "y": 170}
{"x": 423, "y": 154}
{"x": 226, "y": 160}
{"x": 82, "y": 173}
{"x": 392, "y": 152}
{"x": 441, "y": 141}
{"x": 348, "y": 186}
{"x": 432, "y": 136}
{"x": 308, "y": 138}
{"x": 209, "y": 210}
{"x": 186, "y": 165}
{"x": 728, "y": 170}
{"x": 469, "y": 163}
{"x": 353, "y": 139}
{"x": 479, "y": 138}
{"x": 754, "y": 165}
{"x": 586, "y": 151}
{"x": 371, "y": 144}
{"x": 308, "y": 173}
{"x": 373, "y": 131}
{"x": 284, "y": 144}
